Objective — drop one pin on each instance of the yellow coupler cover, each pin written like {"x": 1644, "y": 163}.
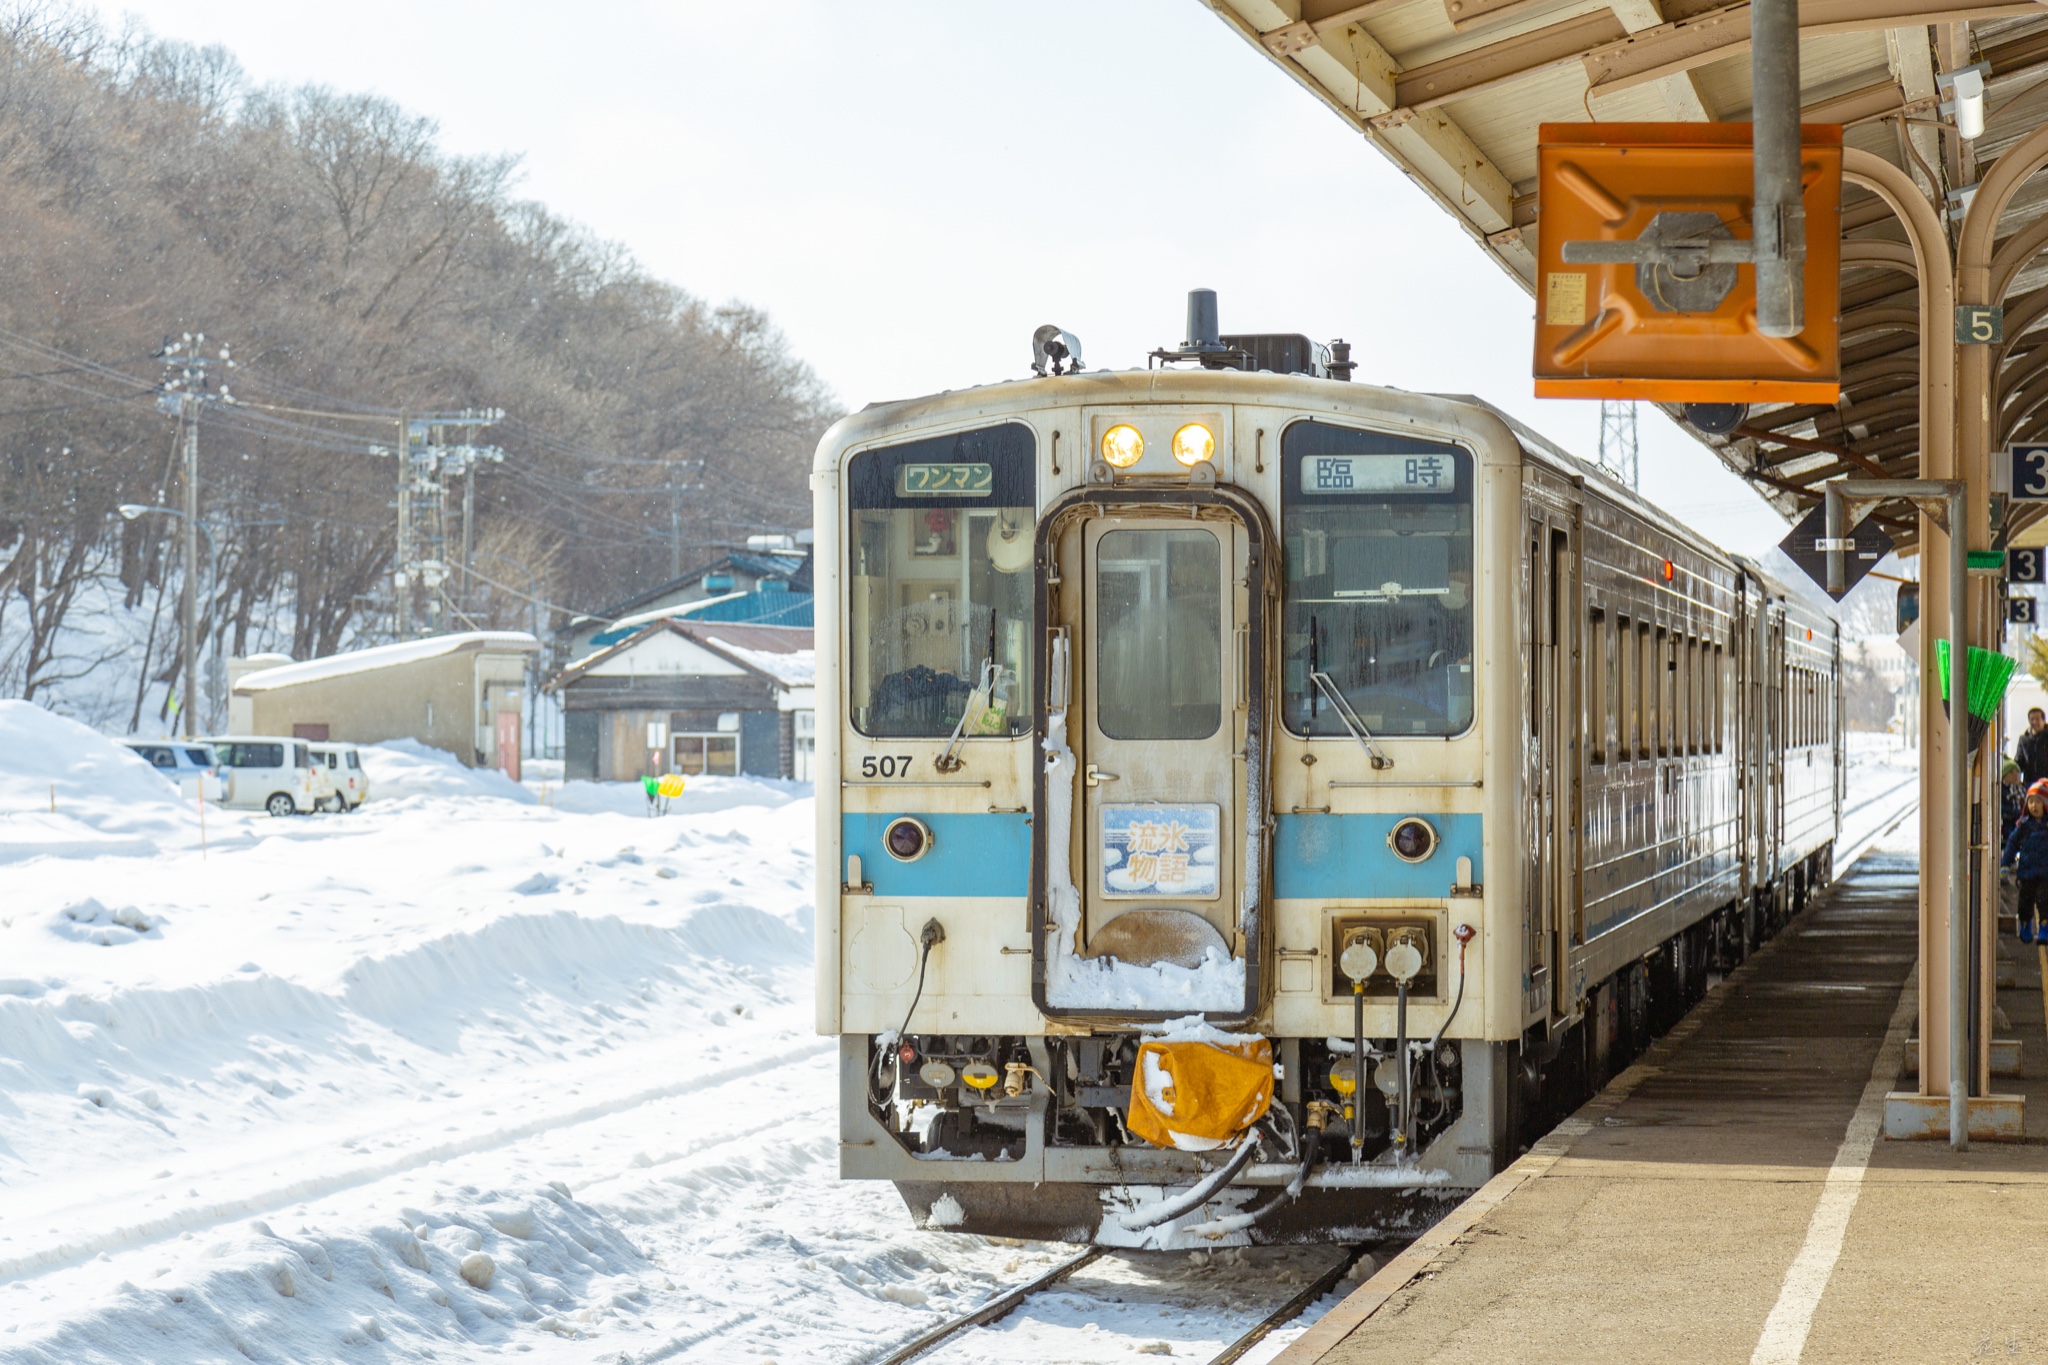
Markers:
{"x": 1197, "y": 1096}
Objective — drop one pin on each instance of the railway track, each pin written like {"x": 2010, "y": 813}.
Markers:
{"x": 1885, "y": 823}
{"x": 1318, "y": 1283}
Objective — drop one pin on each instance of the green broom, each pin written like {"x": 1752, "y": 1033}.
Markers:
{"x": 1990, "y": 675}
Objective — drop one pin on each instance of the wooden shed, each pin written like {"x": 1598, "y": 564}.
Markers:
{"x": 694, "y": 698}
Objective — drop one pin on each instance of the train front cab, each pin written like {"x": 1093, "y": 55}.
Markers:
{"x": 1172, "y": 815}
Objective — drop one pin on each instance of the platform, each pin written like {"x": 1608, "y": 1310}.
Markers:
{"x": 1731, "y": 1197}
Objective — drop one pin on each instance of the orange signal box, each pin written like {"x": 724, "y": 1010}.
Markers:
{"x": 1629, "y": 330}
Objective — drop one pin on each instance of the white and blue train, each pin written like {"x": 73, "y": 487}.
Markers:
{"x": 1253, "y": 805}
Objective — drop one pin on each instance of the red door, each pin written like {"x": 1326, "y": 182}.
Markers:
{"x": 508, "y": 744}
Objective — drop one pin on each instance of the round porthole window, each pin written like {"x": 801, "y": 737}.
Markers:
{"x": 1412, "y": 839}
{"x": 907, "y": 838}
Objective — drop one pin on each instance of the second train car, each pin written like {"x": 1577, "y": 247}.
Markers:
{"x": 1254, "y": 805}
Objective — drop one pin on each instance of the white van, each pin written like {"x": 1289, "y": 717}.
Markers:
{"x": 265, "y": 772}
{"x": 342, "y": 767}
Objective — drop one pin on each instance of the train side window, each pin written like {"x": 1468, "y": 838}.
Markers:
{"x": 1624, "y": 693}
{"x": 1717, "y": 719}
{"x": 939, "y": 587}
{"x": 1646, "y": 693}
{"x": 1655, "y": 694}
{"x": 1597, "y": 671}
{"x": 1681, "y": 692}
{"x": 1696, "y": 684}
{"x": 1799, "y": 707}
{"x": 1377, "y": 535}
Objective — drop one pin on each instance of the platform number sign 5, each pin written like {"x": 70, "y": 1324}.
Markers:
{"x": 1979, "y": 324}
{"x": 2030, "y": 472}
{"x": 2022, "y": 611}
{"x": 2024, "y": 565}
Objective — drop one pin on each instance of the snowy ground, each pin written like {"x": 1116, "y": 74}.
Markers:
{"x": 481, "y": 1070}
{"x": 271, "y": 1101}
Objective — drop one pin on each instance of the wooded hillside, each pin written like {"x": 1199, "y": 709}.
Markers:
{"x": 147, "y": 191}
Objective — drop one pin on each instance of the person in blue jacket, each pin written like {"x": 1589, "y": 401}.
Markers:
{"x": 2026, "y": 852}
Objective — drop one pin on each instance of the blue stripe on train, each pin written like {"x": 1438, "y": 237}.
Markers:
{"x": 971, "y": 855}
{"x": 1314, "y": 856}
{"x": 1329, "y": 857}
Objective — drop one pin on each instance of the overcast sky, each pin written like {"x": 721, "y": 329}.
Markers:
{"x": 909, "y": 188}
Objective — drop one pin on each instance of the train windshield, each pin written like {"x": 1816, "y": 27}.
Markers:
{"x": 1378, "y": 610}
{"x": 940, "y": 584}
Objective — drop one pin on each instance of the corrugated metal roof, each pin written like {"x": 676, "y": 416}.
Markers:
{"x": 1453, "y": 92}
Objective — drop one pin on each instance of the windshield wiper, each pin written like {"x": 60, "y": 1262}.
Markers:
{"x": 970, "y": 718}
{"x": 1380, "y": 762}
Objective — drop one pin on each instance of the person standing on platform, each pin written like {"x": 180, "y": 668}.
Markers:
{"x": 2026, "y": 852}
{"x": 2012, "y": 798}
{"x": 2031, "y": 753}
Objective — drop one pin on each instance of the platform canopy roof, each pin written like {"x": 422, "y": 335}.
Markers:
{"x": 1453, "y": 92}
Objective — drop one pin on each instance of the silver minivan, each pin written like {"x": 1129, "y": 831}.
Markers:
{"x": 189, "y": 764}
{"x": 268, "y": 772}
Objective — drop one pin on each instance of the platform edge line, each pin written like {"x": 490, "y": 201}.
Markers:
{"x": 1357, "y": 1307}
{"x": 1783, "y": 1338}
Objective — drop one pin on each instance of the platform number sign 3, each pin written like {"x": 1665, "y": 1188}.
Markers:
{"x": 2021, "y": 611}
{"x": 2024, "y": 565}
{"x": 2030, "y": 472}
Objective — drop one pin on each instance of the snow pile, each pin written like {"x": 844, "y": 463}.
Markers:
{"x": 107, "y": 799}
{"x": 489, "y": 1271}
{"x": 791, "y": 667}
{"x": 399, "y": 768}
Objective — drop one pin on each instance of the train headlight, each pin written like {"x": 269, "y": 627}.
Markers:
{"x": 1122, "y": 446}
{"x": 1193, "y": 444}
{"x": 1412, "y": 839}
{"x": 907, "y": 838}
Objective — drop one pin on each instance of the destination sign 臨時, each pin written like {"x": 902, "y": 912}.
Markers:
{"x": 1334, "y": 474}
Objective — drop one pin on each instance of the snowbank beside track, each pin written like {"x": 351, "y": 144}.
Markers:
{"x": 324, "y": 1006}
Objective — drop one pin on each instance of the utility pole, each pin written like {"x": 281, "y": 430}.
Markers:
{"x": 190, "y": 687}
{"x": 184, "y": 391}
{"x": 675, "y": 524}
{"x": 425, "y": 463}
{"x": 468, "y": 540}
{"x": 401, "y": 559}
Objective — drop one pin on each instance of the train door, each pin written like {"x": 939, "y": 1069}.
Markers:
{"x": 1554, "y": 903}
{"x": 1162, "y": 694}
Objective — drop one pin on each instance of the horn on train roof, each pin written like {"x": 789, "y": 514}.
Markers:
{"x": 1050, "y": 345}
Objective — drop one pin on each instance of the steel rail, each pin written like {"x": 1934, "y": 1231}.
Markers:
{"x": 1290, "y": 1310}
{"x": 1012, "y": 1299}
{"x": 1001, "y": 1306}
